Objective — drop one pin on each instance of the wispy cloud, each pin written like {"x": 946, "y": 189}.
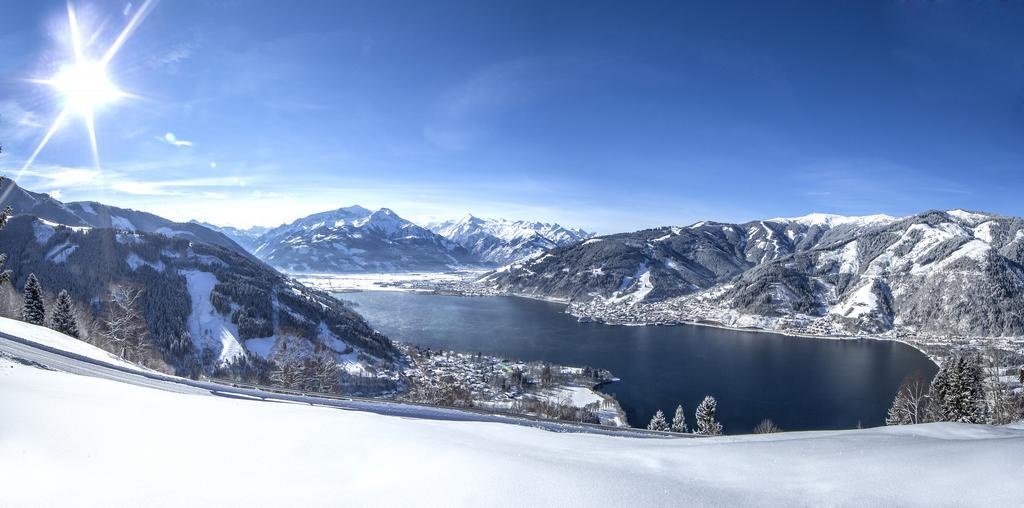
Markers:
{"x": 464, "y": 113}
{"x": 61, "y": 177}
{"x": 176, "y": 187}
{"x": 18, "y": 123}
{"x": 172, "y": 57}
{"x": 171, "y": 139}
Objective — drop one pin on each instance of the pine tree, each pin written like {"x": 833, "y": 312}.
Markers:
{"x": 899, "y": 412}
{"x": 938, "y": 392}
{"x": 679, "y": 420}
{"x": 707, "y": 425}
{"x": 658, "y": 422}
{"x": 967, "y": 391}
{"x": 63, "y": 318}
{"x": 33, "y": 311}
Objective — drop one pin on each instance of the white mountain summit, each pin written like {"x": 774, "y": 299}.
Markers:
{"x": 502, "y": 241}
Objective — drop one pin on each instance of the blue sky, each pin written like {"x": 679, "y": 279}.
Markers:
{"x": 607, "y": 116}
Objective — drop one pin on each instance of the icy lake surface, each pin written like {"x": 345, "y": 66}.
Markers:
{"x": 801, "y": 384}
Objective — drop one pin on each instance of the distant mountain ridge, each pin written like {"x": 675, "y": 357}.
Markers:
{"x": 97, "y": 215}
{"x": 936, "y": 272}
{"x": 356, "y": 239}
{"x": 501, "y": 241}
{"x": 246, "y": 237}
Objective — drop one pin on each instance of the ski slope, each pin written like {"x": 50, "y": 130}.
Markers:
{"x": 92, "y": 440}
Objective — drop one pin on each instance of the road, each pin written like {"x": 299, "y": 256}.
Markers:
{"x": 40, "y": 355}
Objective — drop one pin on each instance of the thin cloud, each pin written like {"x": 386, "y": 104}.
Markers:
{"x": 173, "y": 140}
{"x": 175, "y": 187}
{"x": 61, "y": 177}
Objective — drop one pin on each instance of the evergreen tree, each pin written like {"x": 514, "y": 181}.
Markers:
{"x": 679, "y": 420}
{"x": 938, "y": 392}
{"x": 707, "y": 425}
{"x": 63, "y": 318}
{"x": 33, "y": 311}
{"x": 899, "y": 412}
{"x": 658, "y": 422}
{"x": 966, "y": 394}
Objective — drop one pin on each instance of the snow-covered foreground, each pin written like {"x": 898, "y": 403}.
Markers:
{"x": 57, "y": 340}
{"x": 76, "y": 440}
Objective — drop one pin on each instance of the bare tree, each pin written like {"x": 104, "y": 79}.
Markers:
{"x": 288, "y": 372}
{"x": 1004, "y": 409}
{"x": 767, "y": 426}
{"x": 124, "y": 330}
{"x": 10, "y": 302}
{"x": 322, "y": 372}
{"x": 911, "y": 404}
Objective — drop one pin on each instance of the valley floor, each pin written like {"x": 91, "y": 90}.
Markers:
{"x": 83, "y": 440}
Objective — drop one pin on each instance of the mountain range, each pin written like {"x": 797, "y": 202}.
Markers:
{"x": 355, "y": 239}
{"x": 501, "y": 241}
{"x": 937, "y": 272}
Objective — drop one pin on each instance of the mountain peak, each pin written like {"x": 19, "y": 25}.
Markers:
{"x": 354, "y": 210}
{"x": 830, "y": 220}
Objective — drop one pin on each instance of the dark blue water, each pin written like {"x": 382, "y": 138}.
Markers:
{"x": 799, "y": 383}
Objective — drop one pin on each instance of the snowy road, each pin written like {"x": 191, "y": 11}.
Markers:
{"x": 65, "y": 361}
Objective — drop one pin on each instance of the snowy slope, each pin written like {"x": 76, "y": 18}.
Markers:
{"x": 57, "y": 340}
{"x": 501, "y": 241}
{"x": 84, "y": 441}
{"x": 211, "y": 329}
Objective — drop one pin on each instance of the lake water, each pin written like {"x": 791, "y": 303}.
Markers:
{"x": 800, "y": 383}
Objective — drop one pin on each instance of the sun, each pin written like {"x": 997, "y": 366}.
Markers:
{"x": 85, "y": 86}
{"x": 84, "y": 83}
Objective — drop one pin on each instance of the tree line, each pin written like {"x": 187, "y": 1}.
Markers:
{"x": 958, "y": 393}
{"x": 706, "y": 422}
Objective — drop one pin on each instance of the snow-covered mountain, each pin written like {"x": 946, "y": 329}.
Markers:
{"x": 355, "y": 239}
{"x": 206, "y": 304}
{"x": 952, "y": 272}
{"x": 501, "y": 241}
{"x": 248, "y": 238}
{"x": 98, "y": 215}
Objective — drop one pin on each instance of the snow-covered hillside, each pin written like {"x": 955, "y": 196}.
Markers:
{"x": 88, "y": 441}
{"x": 355, "y": 239}
{"x": 205, "y": 306}
{"x": 952, "y": 272}
{"x": 501, "y": 241}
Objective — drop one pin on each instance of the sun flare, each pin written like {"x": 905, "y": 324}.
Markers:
{"x": 85, "y": 86}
